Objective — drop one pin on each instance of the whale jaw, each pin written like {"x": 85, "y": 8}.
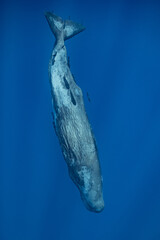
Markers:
{"x": 89, "y": 184}
{"x": 91, "y": 204}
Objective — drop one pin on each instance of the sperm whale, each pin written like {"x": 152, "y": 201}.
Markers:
{"x": 70, "y": 119}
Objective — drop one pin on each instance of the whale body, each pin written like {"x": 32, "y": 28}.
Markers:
{"x": 70, "y": 119}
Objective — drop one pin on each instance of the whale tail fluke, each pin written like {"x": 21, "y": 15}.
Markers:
{"x": 68, "y": 27}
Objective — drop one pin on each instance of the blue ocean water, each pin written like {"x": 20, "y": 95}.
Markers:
{"x": 117, "y": 61}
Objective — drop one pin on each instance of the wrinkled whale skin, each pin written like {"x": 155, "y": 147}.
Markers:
{"x": 70, "y": 119}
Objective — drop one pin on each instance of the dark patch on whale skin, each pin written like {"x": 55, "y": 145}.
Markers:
{"x": 53, "y": 61}
{"x": 72, "y": 98}
{"x": 53, "y": 58}
{"x": 69, "y": 65}
{"x": 66, "y": 83}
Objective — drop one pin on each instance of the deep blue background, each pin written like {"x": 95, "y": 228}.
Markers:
{"x": 116, "y": 60}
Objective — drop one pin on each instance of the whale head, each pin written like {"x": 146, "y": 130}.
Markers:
{"x": 89, "y": 183}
